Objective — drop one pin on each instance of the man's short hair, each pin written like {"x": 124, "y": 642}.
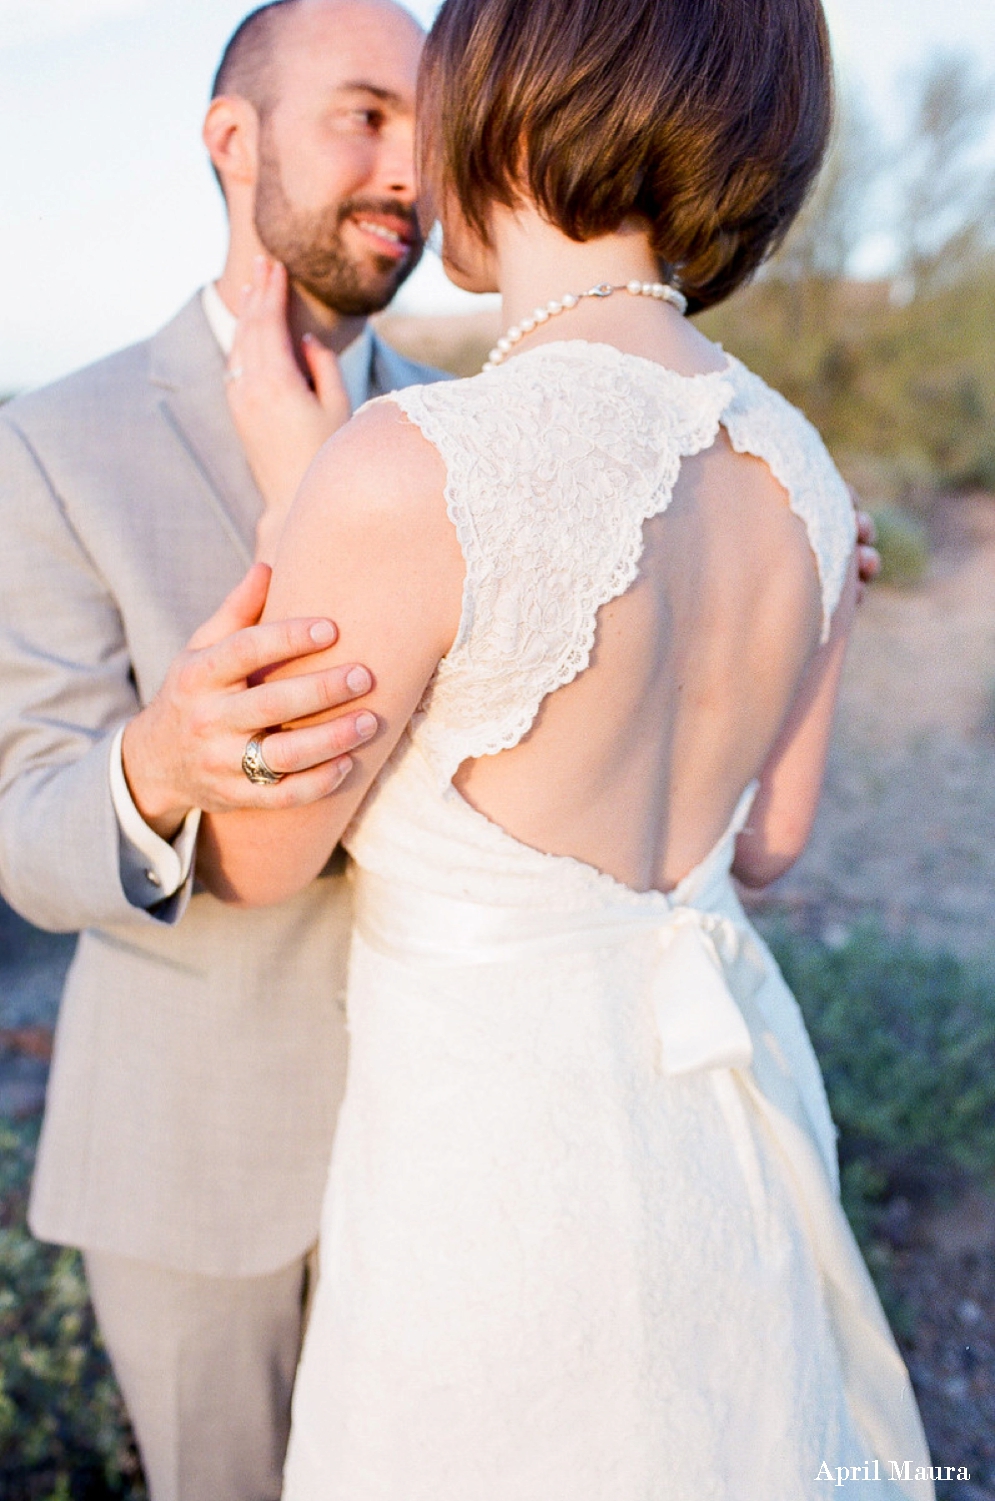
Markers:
{"x": 246, "y": 66}
{"x": 706, "y": 119}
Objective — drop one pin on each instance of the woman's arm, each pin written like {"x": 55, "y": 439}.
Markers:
{"x": 368, "y": 544}
{"x": 785, "y": 806}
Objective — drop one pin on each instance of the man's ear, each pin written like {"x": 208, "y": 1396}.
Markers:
{"x": 231, "y": 135}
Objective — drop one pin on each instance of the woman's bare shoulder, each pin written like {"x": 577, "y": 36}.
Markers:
{"x": 371, "y": 516}
{"x": 380, "y": 464}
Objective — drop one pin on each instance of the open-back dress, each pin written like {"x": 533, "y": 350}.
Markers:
{"x": 582, "y": 1239}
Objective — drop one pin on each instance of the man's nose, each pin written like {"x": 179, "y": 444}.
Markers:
{"x": 396, "y": 167}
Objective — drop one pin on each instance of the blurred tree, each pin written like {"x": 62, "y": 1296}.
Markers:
{"x": 945, "y": 218}
{"x": 839, "y": 211}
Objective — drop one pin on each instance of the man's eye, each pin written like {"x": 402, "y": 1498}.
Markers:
{"x": 372, "y": 119}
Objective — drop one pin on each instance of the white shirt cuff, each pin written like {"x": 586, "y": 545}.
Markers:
{"x": 151, "y": 869}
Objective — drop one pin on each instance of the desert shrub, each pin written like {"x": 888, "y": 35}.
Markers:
{"x": 63, "y": 1432}
{"x": 905, "y": 393}
{"x": 904, "y": 547}
{"x": 906, "y": 1040}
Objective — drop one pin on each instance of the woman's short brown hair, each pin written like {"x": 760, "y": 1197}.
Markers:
{"x": 707, "y": 119}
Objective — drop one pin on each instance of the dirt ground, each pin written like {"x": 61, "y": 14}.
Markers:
{"x": 906, "y": 827}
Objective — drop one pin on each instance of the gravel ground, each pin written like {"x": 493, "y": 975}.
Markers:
{"x": 32, "y": 970}
{"x": 942, "y": 1268}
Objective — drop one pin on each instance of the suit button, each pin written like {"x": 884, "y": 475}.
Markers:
{"x": 152, "y": 878}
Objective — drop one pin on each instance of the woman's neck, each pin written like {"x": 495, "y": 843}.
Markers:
{"x": 535, "y": 263}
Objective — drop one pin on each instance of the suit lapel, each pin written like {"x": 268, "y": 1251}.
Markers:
{"x": 187, "y": 368}
{"x": 187, "y": 375}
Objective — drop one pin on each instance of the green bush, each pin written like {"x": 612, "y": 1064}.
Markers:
{"x": 906, "y": 390}
{"x": 906, "y": 1039}
{"x": 903, "y": 545}
{"x": 63, "y": 1432}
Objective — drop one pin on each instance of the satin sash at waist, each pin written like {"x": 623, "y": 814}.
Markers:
{"x": 698, "y": 1021}
{"x": 706, "y": 987}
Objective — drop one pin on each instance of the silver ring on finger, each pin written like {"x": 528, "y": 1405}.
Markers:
{"x": 234, "y": 372}
{"x": 254, "y": 764}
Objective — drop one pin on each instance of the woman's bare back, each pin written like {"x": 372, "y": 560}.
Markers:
{"x": 636, "y": 765}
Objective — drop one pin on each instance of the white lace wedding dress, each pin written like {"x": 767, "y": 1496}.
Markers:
{"x": 582, "y": 1239}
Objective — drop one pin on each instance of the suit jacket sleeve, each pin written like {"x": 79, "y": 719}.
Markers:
{"x": 65, "y": 687}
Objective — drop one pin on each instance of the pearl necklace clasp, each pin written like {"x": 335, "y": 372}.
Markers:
{"x": 518, "y": 331}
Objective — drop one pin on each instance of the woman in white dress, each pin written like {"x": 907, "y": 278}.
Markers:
{"x": 582, "y": 1238}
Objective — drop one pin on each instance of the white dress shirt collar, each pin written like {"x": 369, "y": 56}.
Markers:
{"x": 355, "y": 361}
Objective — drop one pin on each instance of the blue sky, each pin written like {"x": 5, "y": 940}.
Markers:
{"x": 110, "y": 215}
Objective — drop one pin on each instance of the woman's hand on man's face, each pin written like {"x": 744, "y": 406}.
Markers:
{"x": 282, "y": 414}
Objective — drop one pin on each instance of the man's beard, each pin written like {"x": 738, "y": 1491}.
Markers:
{"x": 310, "y": 245}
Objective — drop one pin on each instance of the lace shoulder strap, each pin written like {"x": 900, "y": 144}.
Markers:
{"x": 554, "y": 462}
{"x": 759, "y": 421}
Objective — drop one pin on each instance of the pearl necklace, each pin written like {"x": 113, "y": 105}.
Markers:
{"x": 539, "y": 315}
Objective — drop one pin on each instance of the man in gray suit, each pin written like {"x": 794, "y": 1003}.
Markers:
{"x": 200, "y": 1050}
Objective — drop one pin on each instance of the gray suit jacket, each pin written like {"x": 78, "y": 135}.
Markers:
{"x": 200, "y": 1052}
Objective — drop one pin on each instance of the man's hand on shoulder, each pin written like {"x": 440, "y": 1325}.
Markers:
{"x": 281, "y": 417}
{"x": 184, "y": 750}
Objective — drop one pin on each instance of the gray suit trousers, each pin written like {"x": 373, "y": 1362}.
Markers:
{"x": 206, "y": 1366}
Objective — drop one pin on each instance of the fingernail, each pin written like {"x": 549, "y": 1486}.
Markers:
{"x": 323, "y": 633}
{"x": 358, "y": 679}
{"x": 343, "y": 766}
{"x": 366, "y": 725}
{"x": 307, "y": 338}
{"x": 260, "y": 263}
